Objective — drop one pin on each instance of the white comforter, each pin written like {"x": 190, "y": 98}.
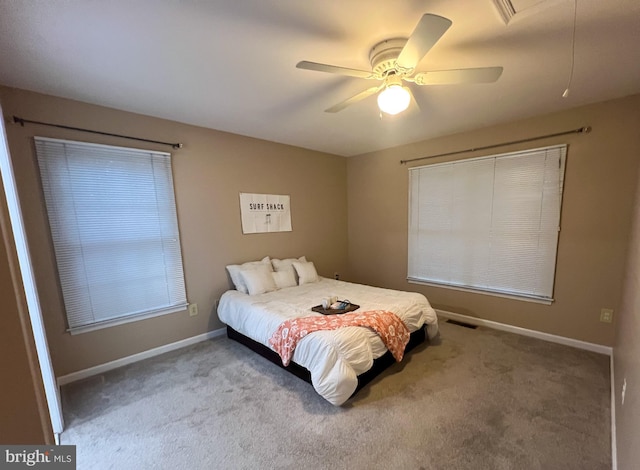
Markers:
{"x": 334, "y": 358}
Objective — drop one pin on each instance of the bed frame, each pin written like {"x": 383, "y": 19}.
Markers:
{"x": 379, "y": 365}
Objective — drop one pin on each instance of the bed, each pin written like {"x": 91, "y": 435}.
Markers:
{"x": 336, "y": 362}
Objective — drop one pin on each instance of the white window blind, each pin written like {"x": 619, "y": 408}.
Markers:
{"x": 115, "y": 232}
{"x": 489, "y": 223}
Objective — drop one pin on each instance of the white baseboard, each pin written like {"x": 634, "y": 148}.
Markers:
{"x": 598, "y": 348}
{"x": 614, "y": 444}
{"x": 96, "y": 370}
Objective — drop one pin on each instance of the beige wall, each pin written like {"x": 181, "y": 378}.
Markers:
{"x": 209, "y": 173}
{"x": 599, "y": 187}
{"x": 23, "y": 414}
{"x": 626, "y": 354}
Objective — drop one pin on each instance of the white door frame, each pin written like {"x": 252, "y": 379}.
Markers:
{"x": 51, "y": 389}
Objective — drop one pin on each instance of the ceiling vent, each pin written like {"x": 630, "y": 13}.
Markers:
{"x": 508, "y": 9}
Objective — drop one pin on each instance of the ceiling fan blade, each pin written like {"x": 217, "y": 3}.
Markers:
{"x": 354, "y": 99}
{"x": 453, "y": 77}
{"x": 333, "y": 69}
{"x": 430, "y": 28}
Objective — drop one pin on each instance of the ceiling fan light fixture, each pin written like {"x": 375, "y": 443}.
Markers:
{"x": 394, "y": 61}
{"x": 394, "y": 99}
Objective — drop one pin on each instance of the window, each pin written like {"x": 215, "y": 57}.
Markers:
{"x": 115, "y": 232}
{"x": 489, "y": 224}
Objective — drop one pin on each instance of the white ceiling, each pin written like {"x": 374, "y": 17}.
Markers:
{"x": 230, "y": 64}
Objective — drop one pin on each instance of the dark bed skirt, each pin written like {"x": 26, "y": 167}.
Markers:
{"x": 379, "y": 365}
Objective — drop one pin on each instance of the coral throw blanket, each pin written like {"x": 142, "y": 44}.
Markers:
{"x": 388, "y": 325}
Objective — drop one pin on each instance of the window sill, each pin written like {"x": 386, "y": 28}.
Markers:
{"x": 537, "y": 300}
{"x": 127, "y": 319}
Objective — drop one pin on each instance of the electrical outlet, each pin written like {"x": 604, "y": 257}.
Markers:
{"x": 606, "y": 315}
{"x": 336, "y": 275}
{"x": 193, "y": 310}
{"x": 624, "y": 389}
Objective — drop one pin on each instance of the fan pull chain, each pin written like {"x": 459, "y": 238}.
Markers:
{"x": 573, "y": 48}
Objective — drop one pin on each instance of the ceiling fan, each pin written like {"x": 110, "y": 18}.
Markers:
{"x": 395, "y": 60}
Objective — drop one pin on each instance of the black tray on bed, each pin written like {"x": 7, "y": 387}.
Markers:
{"x": 335, "y": 311}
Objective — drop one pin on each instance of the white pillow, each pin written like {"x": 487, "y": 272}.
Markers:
{"x": 236, "y": 278}
{"x": 280, "y": 265}
{"x": 284, "y": 279}
{"x": 258, "y": 281}
{"x": 306, "y": 272}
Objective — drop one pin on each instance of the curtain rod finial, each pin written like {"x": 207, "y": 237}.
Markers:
{"x": 585, "y": 130}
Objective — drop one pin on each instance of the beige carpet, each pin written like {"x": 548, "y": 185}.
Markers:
{"x": 474, "y": 399}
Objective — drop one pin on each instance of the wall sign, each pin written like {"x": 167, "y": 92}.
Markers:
{"x": 265, "y": 213}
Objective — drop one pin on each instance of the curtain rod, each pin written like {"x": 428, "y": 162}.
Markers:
{"x": 581, "y": 130}
{"x": 22, "y": 122}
